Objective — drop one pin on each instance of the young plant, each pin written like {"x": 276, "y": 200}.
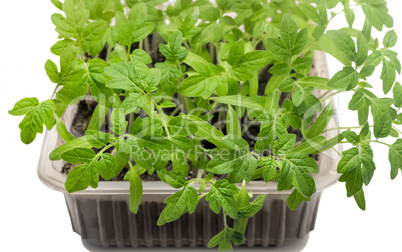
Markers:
{"x": 190, "y": 101}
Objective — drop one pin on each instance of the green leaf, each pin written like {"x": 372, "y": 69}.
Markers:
{"x": 94, "y": 32}
{"x": 268, "y": 134}
{"x": 321, "y": 122}
{"x": 362, "y": 49}
{"x": 240, "y": 101}
{"x": 134, "y": 28}
{"x": 57, "y": 4}
{"x": 343, "y": 42}
{"x": 244, "y": 169}
{"x": 350, "y": 16}
{"x": 63, "y": 132}
{"x": 300, "y": 41}
{"x": 146, "y": 127}
{"x": 390, "y": 39}
{"x": 46, "y": 112}
{"x": 222, "y": 195}
{"x": 279, "y": 69}
{"x": 52, "y": 71}
{"x": 269, "y": 169}
{"x": 287, "y": 85}
{"x": 152, "y": 80}
{"x": 131, "y": 103}
{"x": 374, "y": 59}
{"x": 367, "y": 71}
{"x": 31, "y": 125}
{"x": 61, "y": 45}
{"x": 182, "y": 126}
{"x": 224, "y": 239}
{"x": 127, "y": 76}
{"x": 175, "y": 179}
{"x": 278, "y": 47}
{"x": 136, "y": 191}
{"x": 208, "y": 132}
{"x": 236, "y": 53}
{"x": 288, "y": 31}
{"x": 397, "y": 92}
{"x": 380, "y": 106}
{"x": 302, "y": 162}
{"x": 198, "y": 85}
{"x": 236, "y": 143}
{"x": 377, "y": 14}
{"x": 353, "y": 179}
{"x": 368, "y": 168}
{"x": 239, "y": 165}
{"x": 118, "y": 121}
{"x": 302, "y": 65}
{"x": 349, "y": 161}
{"x": 140, "y": 55}
{"x": 233, "y": 125}
{"x": 294, "y": 200}
{"x": 344, "y": 78}
{"x": 247, "y": 210}
{"x": 358, "y": 101}
{"x": 382, "y": 127}
{"x": 174, "y": 51}
{"x": 351, "y": 137}
{"x": 395, "y": 157}
{"x": 78, "y": 155}
{"x": 98, "y": 117}
{"x": 179, "y": 203}
{"x": 255, "y": 60}
{"x": 75, "y": 143}
{"x": 169, "y": 75}
{"x": 70, "y": 73}
{"x": 311, "y": 145}
{"x": 285, "y": 143}
{"x": 316, "y": 82}
{"x": 24, "y": 106}
{"x": 286, "y": 177}
{"x": 360, "y": 200}
{"x": 107, "y": 166}
{"x": 303, "y": 182}
{"x": 79, "y": 178}
{"x": 387, "y": 76}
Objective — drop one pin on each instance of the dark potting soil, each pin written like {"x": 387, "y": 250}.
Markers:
{"x": 86, "y": 108}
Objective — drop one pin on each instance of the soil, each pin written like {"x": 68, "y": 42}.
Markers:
{"x": 86, "y": 108}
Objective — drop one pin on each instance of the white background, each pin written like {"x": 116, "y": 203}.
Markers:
{"x": 35, "y": 218}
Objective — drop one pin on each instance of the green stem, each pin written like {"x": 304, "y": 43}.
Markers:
{"x": 376, "y": 141}
{"x": 212, "y": 52}
{"x": 221, "y": 117}
{"x": 186, "y": 45}
{"x": 147, "y": 45}
{"x": 199, "y": 174}
{"x": 329, "y": 96}
{"x": 253, "y": 84}
{"x": 162, "y": 115}
{"x": 337, "y": 151}
{"x": 109, "y": 51}
{"x": 395, "y": 128}
{"x": 345, "y": 128}
{"x": 141, "y": 44}
{"x": 177, "y": 109}
{"x": 325, "y": 94}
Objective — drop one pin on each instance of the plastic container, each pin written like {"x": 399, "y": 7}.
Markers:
{"x": 101, "y": 216}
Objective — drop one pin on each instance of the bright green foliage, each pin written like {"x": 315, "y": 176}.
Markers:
{"x": 190, "y": 87}
{"x": 133, "y": 28}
